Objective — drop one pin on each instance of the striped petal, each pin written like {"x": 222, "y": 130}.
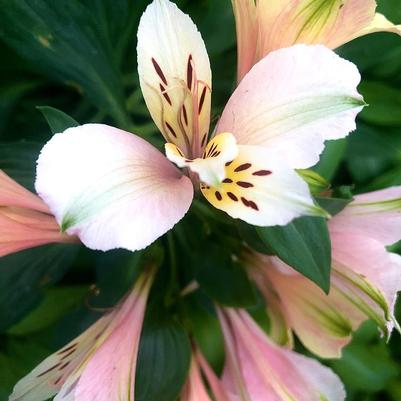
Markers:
{"x": 111, "y": 188}
{"x": 175, "y": 76}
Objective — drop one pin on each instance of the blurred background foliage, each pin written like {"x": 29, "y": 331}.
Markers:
{"x": 79, "y": 56}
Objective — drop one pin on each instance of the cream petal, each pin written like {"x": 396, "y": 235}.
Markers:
{"x": 111, "y": 188}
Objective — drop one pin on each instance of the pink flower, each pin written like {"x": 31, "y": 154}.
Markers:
{"x": 258, "y": 370}
{"x": 365, "y": 278}
{"x": 265, "y": 25}
{"x": 114, "y": 190}
{"x": 25, "y": 220}
{"x": 99, "y": 365}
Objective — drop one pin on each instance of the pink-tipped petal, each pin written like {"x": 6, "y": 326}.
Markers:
{"x": 110, "y": 187}
{"x": 292, "y": 101}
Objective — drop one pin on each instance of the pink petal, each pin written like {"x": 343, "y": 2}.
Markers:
{"x": 22, "y": 229}
{"x": 376, "y": 215}
{"x": 13, "y": 194}
{"x": 369, "y": 259}
{"x": 110, "y": 187}
{"x": 273, "y": 373}
{"x": 292, "y": 101}
{"x": 110, "y": 373}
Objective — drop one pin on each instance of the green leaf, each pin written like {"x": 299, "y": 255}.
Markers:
{"x": 384, "y": 103}
{"x": 366, "y": 367}
{"x": 331, "y": 158}
{"x": 57, "y": 119}
{"x": 25, "y": 274}
{"x": 163, "y": 359}
{"x": 303, "y": 244}
{"x": 251, "y": 236}
{"x": 78, "y": 43}
{"x": 17, "y": 358}
{"x": 223, "y": 278}
{"x": 333, "y": 205}
{"x": 56, "y": 303}
{"x": 18, "y": 160}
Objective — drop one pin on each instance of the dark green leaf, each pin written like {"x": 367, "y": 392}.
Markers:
{"x": 18, "y": 160}
{"x": 303, "y": 244}
{"x": 251, "y": 236}
{"x": 77, "y": 42}
{"x": 57, "y": 119}
{"x": 366, "y": 367}
{"x": 163, "y": 359}
{"x": 56, "y": 302}
{"x": 223, "y": 278}
{"x": 25, "y": 274}
{"x": 333, "y": 205}
{"x": 384, "y": 103}
{"x": 331, "y": 158}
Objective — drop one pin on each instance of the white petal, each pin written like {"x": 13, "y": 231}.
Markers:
{"x": 261, "y": 189}
{"x": 110, "y": 187}
{"x": 175, "y": 76}
{"x": 292, "y": 101}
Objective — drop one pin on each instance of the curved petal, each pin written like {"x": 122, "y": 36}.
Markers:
{"x": 379, "y": 24}
{"x": 110, "y": 187}
{"x": 366, "y": 263}
{"x": 261, "y": 189}
{"x": 175, "y": 76}
{"x": 376, "y": 215}
{"x": 292, "y": 101}
{"x": 273, "y": 373}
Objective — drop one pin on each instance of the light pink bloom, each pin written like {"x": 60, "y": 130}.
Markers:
{"x": 115, "y": 190}
{"x": 365, "y": 278}
{"x": 259, "y": 370}
{"x": 25, "y": 220}
{"x": 99, "y": 365}
{"x": 267, "y": 25}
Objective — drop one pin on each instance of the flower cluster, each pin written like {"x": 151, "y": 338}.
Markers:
{"x": 109, "y": 188}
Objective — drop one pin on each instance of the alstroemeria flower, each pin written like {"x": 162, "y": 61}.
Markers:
{"x": 365, "y": 278}
{"x": 25, "y": 220}
{"x": 99, "y": 365}
{"x": 113, "y": 189}
{"x": 265, "y": 25}
{"x": 258, "y": 370}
